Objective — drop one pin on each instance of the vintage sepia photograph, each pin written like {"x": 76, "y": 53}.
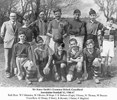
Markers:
{"x": 58, "y": 43}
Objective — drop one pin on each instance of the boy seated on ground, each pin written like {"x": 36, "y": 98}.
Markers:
{"x": 74, "y": 59}
{"x": 22, "y": 58}
{"x": 92, "y": 60}
{"x": 60, "y": 62}
{"x": 43, "y": 58}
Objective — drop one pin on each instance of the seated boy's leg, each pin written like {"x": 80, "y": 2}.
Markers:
{"x": 96, "y": 65}
{"x": 56, "y": 71}
{"x": 109, "y": 74}
{"x": 19, "y": 68}
{"x": 70, "y": 71}
{"x": 79, "y": 71}
{"x": 63, "y": 71}
{"x": 102, "y": 69}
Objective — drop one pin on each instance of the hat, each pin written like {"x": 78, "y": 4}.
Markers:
{"x": 89, "y": 41}
{"x": 77, "y": 11}
{"x": 92, "y": 11}
{"x": 57, "y": 10}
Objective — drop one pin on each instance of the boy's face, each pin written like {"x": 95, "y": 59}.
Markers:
{"x": 76, "y": 15}
{"x": 110, "y": 22}
{"x": 90, "y": 46}
{"x": 57, "y": 15}
{"x": 22, "y": 37}
{"x": 42, "y": 15}
{"x": 26, "y": 21}
{"x": 92, "y": 16}
{"x": 73, "y": 43}
{"x": 60, "y": 48}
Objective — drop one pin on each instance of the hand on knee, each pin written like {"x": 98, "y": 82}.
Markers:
{"x": 63, "y": 65}
{"x": 69, "y": 77}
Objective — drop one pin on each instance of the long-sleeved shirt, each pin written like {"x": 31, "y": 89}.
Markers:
{"x": 88, "y": 57}
{"x": 93, "y": 27}
{"x": 41, "y": 57}
{"x": 60, "y": 58}
{"x": 22, "y": 50}
{"x": 77, "y": 28}
{"x": 57, "y": 28}
{"x": 110, "y": 35}
{"x": 42, "y": 26}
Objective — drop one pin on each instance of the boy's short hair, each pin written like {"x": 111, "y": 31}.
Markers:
{"x": 56, "y": 10}
{"x": 76, "y": 11}
{"x": 38, "y": 39}
{"x": 72, "y": 40}
{"x": 92, "y": 11}
{"x": 89, "y": 41}
{"x": 21, "y": 32}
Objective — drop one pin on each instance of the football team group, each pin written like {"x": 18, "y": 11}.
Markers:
{"x": 59, "y": 49}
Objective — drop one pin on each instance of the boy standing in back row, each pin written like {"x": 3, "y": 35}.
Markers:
{"x": 77, "y": 29}
{"x": 56, "y": 29}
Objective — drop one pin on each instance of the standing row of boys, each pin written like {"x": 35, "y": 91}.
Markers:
{"x": 61, "y": 49}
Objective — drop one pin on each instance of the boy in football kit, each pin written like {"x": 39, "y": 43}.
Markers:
{"x": 94, "y": 28}
{"x": 43, "y": 58}
{"x": 92, "y": 59}
{"x": 60, "y": 63}
{"x": 56, "y": 29}
{"x": 108, "y": 46}
{"x": 22, "y": 58}
{"x": 75, "y": 60}
{"x": 77, "y": 28}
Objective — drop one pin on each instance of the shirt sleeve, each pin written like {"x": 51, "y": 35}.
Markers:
{"x": 83, "y": 29}
{"x": 84, "y": 54}
{"x": 3, "y": 29}
{"x": 100, "y": 26}
{"x": 50, "y": 51}
{"x": 98, "y": 53}
{"x": 49, "y": 30}
{"x": 36, "y": 57}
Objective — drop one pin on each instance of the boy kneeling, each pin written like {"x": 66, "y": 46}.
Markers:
{"x": 92, "y": 59}
{"x": 74, "y": 59}
{"x": 43, "y": 58}
{"x": 60, "y": 62}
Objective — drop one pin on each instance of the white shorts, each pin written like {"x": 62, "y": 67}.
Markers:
{"x": 108, "y": 48}
{"x": 80, "y": 40}
{"x": 51, "y": 44}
